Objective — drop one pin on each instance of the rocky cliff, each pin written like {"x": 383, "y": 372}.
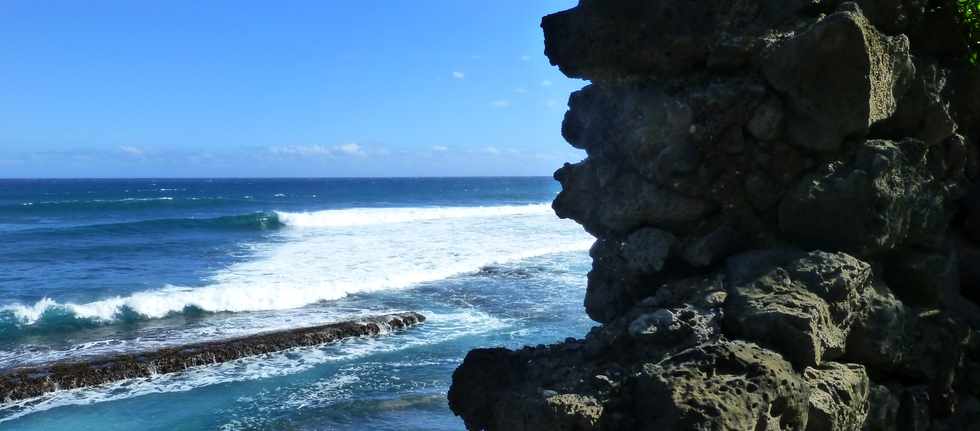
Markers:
{"x": 784, "y": 195}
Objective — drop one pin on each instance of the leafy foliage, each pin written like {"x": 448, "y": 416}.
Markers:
{"x": 969, "y": 15}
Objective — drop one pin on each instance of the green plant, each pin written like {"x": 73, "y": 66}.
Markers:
{"x": 969, "y": 15}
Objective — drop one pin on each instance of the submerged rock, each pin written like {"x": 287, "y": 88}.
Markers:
{"x": 29, "y": 382}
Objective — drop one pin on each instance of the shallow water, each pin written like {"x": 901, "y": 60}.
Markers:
{"x": 96, "y": 267}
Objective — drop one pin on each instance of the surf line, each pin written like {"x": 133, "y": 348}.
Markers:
{"x": 30, "y": 382}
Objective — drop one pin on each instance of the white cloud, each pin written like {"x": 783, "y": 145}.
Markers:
{"x": 440, "y": 148}
{"x": 546, "y": 83}
{"x": 132, "y": 151}
{"x": 551, "y": 103}
{"x": 502, "y": 103}
{"x": 459, "y": 75}
{"x": 520, "y": 90}
{"x": 525, "y": 58}
{"x": 302, "y": 151}
{"x": 491, "y": 150}
{"x": 351, "y": 149}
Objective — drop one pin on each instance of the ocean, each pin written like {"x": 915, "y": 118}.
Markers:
{"x": 96, "y": 267}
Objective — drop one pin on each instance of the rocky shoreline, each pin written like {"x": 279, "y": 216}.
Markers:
{"x": 23, "y": 383}
{"x": 787, "y": 213}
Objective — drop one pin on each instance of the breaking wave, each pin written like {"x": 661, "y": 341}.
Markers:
{"x": 327, "y": 255}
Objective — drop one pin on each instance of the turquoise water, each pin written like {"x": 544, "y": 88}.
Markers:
{"x": 94, "y": 267}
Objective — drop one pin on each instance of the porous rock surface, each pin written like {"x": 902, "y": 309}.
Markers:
{"x": 786, "y": 209}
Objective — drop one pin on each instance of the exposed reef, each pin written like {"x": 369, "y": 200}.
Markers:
{"x": 787, "y": 213}
{"x": 29, "y": 382}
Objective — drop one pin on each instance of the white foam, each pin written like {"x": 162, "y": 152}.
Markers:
{"x": 370, "y": 216}
{"x": 31, "y": 313}
{"x": 343, "y": 252}
{"x": 161, "y": 198}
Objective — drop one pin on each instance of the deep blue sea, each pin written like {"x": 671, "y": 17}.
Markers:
{"x": 94, "y": 267}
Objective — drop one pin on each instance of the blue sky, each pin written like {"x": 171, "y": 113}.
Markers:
{"x": 294, "y": 88}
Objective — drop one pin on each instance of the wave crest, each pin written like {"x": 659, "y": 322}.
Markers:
{"x": 371, "y": 216}
{"x": 226, "y": 297}
{"x": 326, "y": 255}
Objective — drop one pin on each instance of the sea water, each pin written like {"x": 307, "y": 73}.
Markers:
{"x": 96, "y": 267}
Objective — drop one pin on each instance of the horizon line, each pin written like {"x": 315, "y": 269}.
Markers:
{"x": 279, "y": 177}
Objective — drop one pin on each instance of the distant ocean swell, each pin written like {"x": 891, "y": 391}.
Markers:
{"x": 55, "y": 207}
{"x": 315, "y": 219}
{"x": 314, "y": 263}
{"x": 253, "y": 221}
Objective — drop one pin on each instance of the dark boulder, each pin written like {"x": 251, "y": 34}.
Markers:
{"x": 840, "y": 76}
{"x": 838, "y": 397}
{"x": 884, "y": 198}
{"x": 803, "y": 308}
{"x": 720, "y": 386}
{"x": 624, "y": 204}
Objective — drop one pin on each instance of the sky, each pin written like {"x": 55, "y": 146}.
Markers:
{"x": 328, "y": 88}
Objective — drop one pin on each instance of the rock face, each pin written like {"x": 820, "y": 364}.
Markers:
{"x": 838, "y": 397}
{"x": 787, "y": 213}
{"x": 839, "y": 77}
{"x": 720, "y": 385}
{"x": 804, "y": 308}
{"x": 884, "y": 198}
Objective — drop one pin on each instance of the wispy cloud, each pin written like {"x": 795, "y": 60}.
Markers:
{"x": 349, "y": 149}
{"x": 525, "y": 58}
{"x": 132, "y": 151}
{"x": 495, "y": 151}
{"x": 502, "y": 103}
{"x": 440, "y": 148}
{"x": 459, "y": 75}
{"x": 546, "y": 83}
{"x": 302, "y": 151}
{"x": 551, "y": 103}
{"x": 520, "y": 90}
